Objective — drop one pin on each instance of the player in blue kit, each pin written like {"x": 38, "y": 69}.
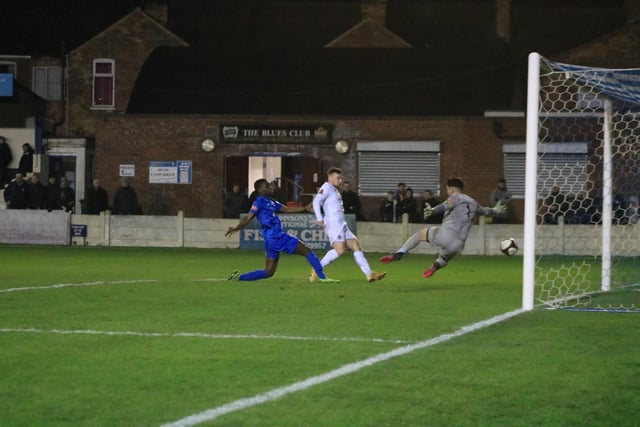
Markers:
{"x": 266, "y": 211}
{"x": 459, "y": 211}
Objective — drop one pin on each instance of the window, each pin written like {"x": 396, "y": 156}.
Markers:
{"x": 8, "y": 67}
{"x": 382, "y": 165}
{"x": 562, "y": 164}
{"x": 104, "y": 71}
{"x": 47, "y": 82}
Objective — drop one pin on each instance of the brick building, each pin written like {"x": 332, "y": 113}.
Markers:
{"x": 211, "y": 90}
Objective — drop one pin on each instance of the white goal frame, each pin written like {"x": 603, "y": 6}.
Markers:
{"x": 531, "y": 183}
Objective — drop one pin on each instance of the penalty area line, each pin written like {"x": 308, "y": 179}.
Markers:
{"x": 349, "y": 368}
{"x": 197, "y": 335}
{"x": 101, "y": 283}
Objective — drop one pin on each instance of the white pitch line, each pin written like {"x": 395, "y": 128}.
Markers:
{"x": 197, "y": 335}
{"x": 277, "y": 393}
{"x": 68, "y": 285}
{"x": 101, "y": 283}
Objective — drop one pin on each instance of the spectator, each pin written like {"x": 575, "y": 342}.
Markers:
{"x": 632, "y": 213}
{"x": 125, "y": 201}
{"x": 388, "y": 208}
{"x": 53, "y": 195}
{"x": 430, "y": 199}
{"x": 620, "y": 205}
{"x": 557, "y": 198}
{"x": 400, "y": 193}
{"x": 582, "y": 211}
{"x": 67, "y": 196}
{"x": 503, "y": 195}
{"x": 16, "y": 193}
{"x": 351, "y": 201}
{"x": 278, "y": 195}
{"x": 410, "y": 206}
{"x": 96, "y": 199}
{"x": 26, "y": 161}
{"x": 5, "y": 160}
{"x": 37, "y": 194}
{"x": 234, "y": 203}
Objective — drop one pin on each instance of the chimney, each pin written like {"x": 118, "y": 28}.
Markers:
{"x": 374, "y": 11}
{"x": 158, "y": 10}
{"x": 631, "y": 10}
{"x": 503, "y": 19}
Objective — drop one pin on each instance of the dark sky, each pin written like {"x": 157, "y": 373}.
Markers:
{"x": 49, "y": 26}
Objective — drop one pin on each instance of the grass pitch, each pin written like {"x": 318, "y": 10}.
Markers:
{"x": 143, "y": 337}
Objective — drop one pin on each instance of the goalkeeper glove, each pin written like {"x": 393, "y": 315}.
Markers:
{"x": 427, "y": 211}
{"x": 499, "y": 208}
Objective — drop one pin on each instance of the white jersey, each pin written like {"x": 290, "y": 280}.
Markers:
{"x": 328, "y": 200}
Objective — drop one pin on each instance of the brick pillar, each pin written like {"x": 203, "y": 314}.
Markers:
{"x": 374, "y": 10}
{"x": 503, "y": 19}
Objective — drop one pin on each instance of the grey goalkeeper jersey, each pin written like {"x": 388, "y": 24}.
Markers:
{"x": 459, "y": 211}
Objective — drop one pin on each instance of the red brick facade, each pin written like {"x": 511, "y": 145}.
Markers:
{"x": 469, "y": 149}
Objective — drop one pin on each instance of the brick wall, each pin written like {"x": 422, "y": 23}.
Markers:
{"x": 469, "y": 149}
{"x": 129, "y": 42}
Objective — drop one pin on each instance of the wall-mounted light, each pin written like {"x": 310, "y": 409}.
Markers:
{"x": 208, "y": 145}
{"x": 342, "y": 146}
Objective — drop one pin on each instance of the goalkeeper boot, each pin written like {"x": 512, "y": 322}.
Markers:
{"x": 313, "y": 276}
{"x": 430, "y": 271}
{"x": 235, "y": 275}
{"x": 375, "y": 276}
{"x": 390, "y": 258}
{"x": 328, "y": 280}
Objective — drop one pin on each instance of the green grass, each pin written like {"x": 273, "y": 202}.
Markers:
{"x": 541, "y": 368}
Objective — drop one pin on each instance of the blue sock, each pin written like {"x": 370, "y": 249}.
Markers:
{"x": 315, "y": 263}
{"x": 253, "y": 275}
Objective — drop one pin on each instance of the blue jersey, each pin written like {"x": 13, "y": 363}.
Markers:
{"x": 266, "y": 211}
{"x": 275, "y": 240}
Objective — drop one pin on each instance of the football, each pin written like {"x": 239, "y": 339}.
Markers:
{"x": 509, "y": 247}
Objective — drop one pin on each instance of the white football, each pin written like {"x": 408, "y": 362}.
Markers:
{"x": 509, "y": 247}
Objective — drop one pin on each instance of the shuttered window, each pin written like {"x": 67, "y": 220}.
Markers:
{"x": 382, "y": 165}
{"x": 564, "y": 165}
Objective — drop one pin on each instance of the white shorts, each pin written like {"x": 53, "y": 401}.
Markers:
{"x": 338, "y": 232}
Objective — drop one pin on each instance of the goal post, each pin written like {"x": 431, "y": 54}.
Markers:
{"x": 582, "y": 182}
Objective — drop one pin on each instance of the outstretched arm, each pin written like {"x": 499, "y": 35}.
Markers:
{"x": 243, "y": 222}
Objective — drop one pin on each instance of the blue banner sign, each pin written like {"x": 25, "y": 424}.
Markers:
{"x": 303, "y": 226}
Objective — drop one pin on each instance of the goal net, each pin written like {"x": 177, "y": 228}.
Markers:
{"x": 582, "y": 223}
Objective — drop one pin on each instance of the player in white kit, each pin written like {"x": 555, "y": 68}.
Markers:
{"x": 329, "y": 201}
{"x": 459, "y": 211}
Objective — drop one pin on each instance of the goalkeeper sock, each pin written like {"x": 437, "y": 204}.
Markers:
{"x": 411, "y": 243}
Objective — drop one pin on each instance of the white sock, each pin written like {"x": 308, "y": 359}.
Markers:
{"x": 362, "y": 262}
{"x": 329, "y": 257}
{"x": 411, "y": 243}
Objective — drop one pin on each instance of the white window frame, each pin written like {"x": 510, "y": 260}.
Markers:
{"x": 47, "y": 82}
{"x": 95, "y": 75}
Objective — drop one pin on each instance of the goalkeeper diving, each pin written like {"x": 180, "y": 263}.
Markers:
{"x": 459, "y": 210}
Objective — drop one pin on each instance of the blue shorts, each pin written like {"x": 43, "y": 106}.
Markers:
{"x": 280, "y": 243}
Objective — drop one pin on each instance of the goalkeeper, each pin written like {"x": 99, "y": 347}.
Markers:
{"x": 459, "y": 210}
